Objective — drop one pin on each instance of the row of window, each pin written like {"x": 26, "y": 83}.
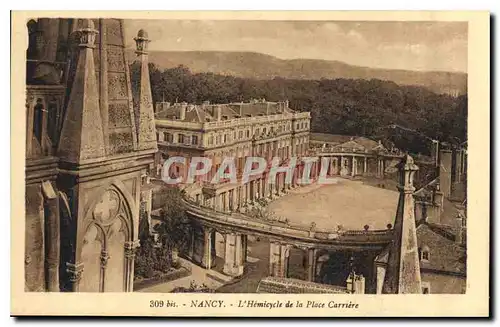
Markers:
{"x": 301, "y": 125}
{"x": 181, "y": 138}
{"x": 225, "y": 138}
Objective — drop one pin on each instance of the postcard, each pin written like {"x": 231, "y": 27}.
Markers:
{"x": 292, "y": 164}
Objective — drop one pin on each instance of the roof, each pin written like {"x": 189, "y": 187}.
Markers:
{"x": 208, "y": 112}
{"x": 340, "y": 142}
{"x": 445, "y": 254}
{"x": 330, "y": 138}
{"x": 291, "y": 285}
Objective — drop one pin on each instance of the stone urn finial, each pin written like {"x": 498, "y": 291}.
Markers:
{"x": 141, "y": 42}
{"x": 87, "y": 33}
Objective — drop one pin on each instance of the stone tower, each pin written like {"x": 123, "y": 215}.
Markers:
{"x": 87, "y": 155}
{"x": 403, "y": 268}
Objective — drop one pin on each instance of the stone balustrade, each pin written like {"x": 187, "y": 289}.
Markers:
{"x": 240, "y": 221}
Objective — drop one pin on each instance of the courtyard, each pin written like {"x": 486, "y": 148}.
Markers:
{"x": 351, "y": 204}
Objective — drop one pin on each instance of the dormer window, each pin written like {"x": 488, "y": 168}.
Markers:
{"x": 425, "y": 253}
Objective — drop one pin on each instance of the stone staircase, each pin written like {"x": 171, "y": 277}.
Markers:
{"x": 218, "y": 277}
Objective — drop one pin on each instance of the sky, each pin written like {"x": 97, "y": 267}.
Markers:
{"x": 421, "y": 46}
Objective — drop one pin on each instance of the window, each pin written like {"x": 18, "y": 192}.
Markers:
{"x": 225, "y": 138}
{"x": 194, "y": 140}
{"x": 210, "y": 140}
{"x": 218, "y": 139}
{"x": 264, "y": 131}
{"x": 424, "y": 253}
{"x": 234, "y": 135}
{"x": 240, "y": 135}
{"x": 248, "y": 133}
{"x": 181, "y": 138}
{"x": 169, "y": 137}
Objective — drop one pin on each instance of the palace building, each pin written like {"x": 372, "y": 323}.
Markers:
{"x": 235, "y": 130}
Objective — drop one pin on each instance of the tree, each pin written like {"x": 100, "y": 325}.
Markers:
{"x": 337, "y": 106}
{"x": 174, "y": 228}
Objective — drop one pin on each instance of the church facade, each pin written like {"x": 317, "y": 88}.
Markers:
{"x": 89, "y": 146}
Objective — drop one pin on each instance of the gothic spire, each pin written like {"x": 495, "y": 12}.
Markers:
{"x": 82, "y": 136}
{"x": 403, "y": 267}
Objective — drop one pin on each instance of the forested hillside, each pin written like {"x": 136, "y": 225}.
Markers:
{"x": 338, "y": 106}
{"x": 262, "y": 66}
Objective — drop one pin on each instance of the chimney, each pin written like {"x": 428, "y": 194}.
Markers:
{"x": 445, "y": 171}
{"x": 458, "y": 165}
{"x": 359, "y": 284}
{"x": 435, "y": 152}
{"x": 218, "y": 111}
{"x": 437, "y": 197}
{"x": 460, "y": 229}
{"x": 183, "y": 111}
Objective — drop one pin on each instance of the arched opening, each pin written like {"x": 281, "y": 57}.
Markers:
{"x": 335, "y": 269}
{"x": 218, "y": 251}
{"x": 297, "y": 263}
{"x": 90, "y": 257}
{"x": 103, "y": 250}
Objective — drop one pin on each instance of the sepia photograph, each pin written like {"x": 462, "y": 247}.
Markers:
{"x": 322, "y": 159}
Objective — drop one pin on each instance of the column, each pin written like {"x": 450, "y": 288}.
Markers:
{"x": 75, "y": 271}
{"x": 251, "y": 191}
{"x": 265, "y": 186}
{"x": 311, "y": 264}
{"x": 226, "y": 201}
{"x": 232, "y": 200}
{"x": 240, "y": 197}
{"x": 130, "y": 251}
{"x": 104, "y": 261}
{"x": 52, "y": 245}
{"x": 342, "y": 166}
{"x": 30, "y": 107}
{"x": 192, "y": 245}
{"x": 278, "y": 259}
{"x": 365, "y": 166}
{"x": 244, "y": 248}
{"x": 354, "y": 166}
{"x": 207, "y": 251}
{"x": 233, "y": 260}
